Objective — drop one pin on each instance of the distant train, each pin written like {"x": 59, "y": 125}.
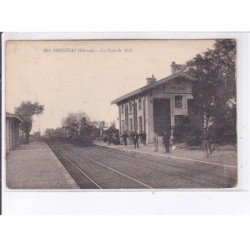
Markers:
{"x": 79, "y": 133}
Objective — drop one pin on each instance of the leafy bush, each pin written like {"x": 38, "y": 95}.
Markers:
{"x": 193, "y": 136}
{"x": 190, "y": 135}
{"x": 187, "y": 133}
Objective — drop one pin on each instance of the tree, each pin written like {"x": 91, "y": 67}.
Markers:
{"x": 26, "y": 112}
{"x": 74, "y": 118}
{"x": 98, "y": 127}
{"x": 49, "y": 132}
{"x": 112, "y": 128}
{"x": 214, "y": 90}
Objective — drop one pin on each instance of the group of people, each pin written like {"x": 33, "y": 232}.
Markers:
{"x": 112, "y": 137}
{"x": 129, "y": 138}
{"x": 134, "y": 138}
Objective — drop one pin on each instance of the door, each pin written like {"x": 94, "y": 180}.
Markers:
{"x": 162, "y": 116}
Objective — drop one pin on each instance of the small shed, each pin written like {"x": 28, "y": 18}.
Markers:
{"x": 13, "y": 123}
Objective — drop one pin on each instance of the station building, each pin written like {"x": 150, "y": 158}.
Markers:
{"x": 13, "y": 123}
{"x": 159, "y": 105}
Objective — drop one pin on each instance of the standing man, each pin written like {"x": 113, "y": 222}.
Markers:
{"x": 155, "y": 140}
{"x": 166, "y": 141}
{"x": 129, "y": 138}
{"x": 140, "y": 137}
{"x": 132, "y": 135}
{"x": 136, "y": 138}
{"x": 125, "y": 137}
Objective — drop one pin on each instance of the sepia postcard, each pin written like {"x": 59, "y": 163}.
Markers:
{"x": 120, "y": 114}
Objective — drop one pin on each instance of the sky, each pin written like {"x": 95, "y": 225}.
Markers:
{"x": 73, "y": 76}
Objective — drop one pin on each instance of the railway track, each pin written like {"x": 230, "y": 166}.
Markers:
{"x": 62, "y": 149}
{"x": 61, "y": 155}
{"x": 159, "y": 169}
{"x": 222, "y": 173}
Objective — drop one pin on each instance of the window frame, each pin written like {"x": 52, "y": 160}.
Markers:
{"x": 178, "y": 105}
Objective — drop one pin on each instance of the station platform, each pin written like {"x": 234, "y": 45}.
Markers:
{"x": 226, "y": 156}
{"x": 34, "y": 166}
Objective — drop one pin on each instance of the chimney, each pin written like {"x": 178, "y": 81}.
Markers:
{"x": 151, "y": 80}
{"x": 176, "y": 67}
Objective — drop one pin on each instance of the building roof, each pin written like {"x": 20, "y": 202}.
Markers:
{"x": 9, "y": 115}
{"x": 152, "y": 86}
